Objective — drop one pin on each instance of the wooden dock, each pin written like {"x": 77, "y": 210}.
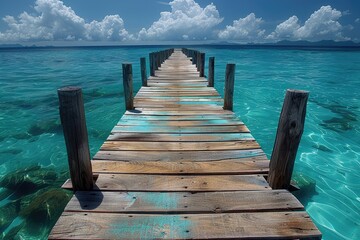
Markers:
{"x": 179, "y": 166}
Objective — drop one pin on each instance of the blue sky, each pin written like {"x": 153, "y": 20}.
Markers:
{"x": 141, "y": 21}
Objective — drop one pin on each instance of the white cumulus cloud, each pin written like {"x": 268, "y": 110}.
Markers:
{"x": 187, "y": 20}
{"x": 245, "y": 29}
{"x": 56, "y": 21}
{"x": 323, "y": 24}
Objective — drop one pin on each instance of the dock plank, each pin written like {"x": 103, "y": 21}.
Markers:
{"x": 180, "y": 183}
{"x": 178, "y": 146}
{"x": 183, "y": 202}
{"x": 196, "y": 156}
{"x": 186, "y": 168}
{"x": 271, "y": 225}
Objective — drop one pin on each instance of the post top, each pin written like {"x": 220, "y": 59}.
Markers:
{"x": 297, "y": 91}
{"x": 69, "y": 89}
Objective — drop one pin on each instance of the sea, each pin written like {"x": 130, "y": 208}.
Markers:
{"x": 33, "y": 160}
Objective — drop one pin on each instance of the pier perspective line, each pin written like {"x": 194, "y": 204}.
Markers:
{"x": 180, "y": 164}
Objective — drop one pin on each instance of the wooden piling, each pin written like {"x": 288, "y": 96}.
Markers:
{"x": 143, "y": 71}
{"x": 202, "y": 65}
{"x": 229, "y": 86}
{"x": 72, "y": 115}
{"x": 289, "y": 132}
{"x": 128, "y": 85}
{"x": 211, "y": 72}
{"x": 151, "y": 64}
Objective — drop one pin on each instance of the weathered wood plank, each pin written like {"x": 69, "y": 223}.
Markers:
{"x": 185, "y": 123}
{"x": 179, "y": 137}
{"x": 156, "y": 167}
{"x": 178, "y": 146}
{"x": 178, "y": 117}
{"x": 179, "y": 129}
{"x": 177, "y": 113}
{"x": 271, "y": 225}
{"x": 176, "y": 183}
{"x": 239, "y": 155}
{"x": 183, "y": 202}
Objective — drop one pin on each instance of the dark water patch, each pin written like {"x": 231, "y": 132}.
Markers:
{"x": 307, "y": 187}
{"x": 99, "y": 93}
{"x": 346, "y": 120}
{"x": 13, "y": 151}
{"x": 8, "y": 213}
{"x": 47, "y": 126}
{"x": 28, "y": 180}
{"x": 21, "y": 136}
{"x": 337, "y": 124}
{"x": 322, "y": 148}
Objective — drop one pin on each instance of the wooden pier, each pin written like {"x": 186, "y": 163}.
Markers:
{"x": 178, "y": 165}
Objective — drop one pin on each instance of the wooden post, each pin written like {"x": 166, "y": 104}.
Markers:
{"x": 128, "y": 85}
{"x": 151, "y": 64}
{"x": 143, "y": 71}
{"x": 198, "y": 60}
{"x": 72, "y": 115}
{"x": 229, "y": 86}
{"x": 211, "y": 72}
{"x": 290, "y": 129}
{"x": 202, "y": 64}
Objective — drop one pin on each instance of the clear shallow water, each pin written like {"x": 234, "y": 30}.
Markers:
{"x": 328, "y": 161}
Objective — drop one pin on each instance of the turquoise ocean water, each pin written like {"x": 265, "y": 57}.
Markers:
{"x": 33, "y": 161}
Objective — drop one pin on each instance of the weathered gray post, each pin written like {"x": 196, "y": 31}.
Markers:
{"x": 143, "y": 71}
{"x": 229, "y": 86}
{"x": 211, "y": 74}
{"x": 288, "y": 136}
{"x": 202, "y": 65}
{"x": 72, "y": 115}
{"x": 128, "y": 85}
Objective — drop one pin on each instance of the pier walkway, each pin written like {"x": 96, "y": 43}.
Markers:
{"x": 179, "y": 166}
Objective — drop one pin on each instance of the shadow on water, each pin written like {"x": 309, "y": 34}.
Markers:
{"x": 31, "y": 202}
{"x": 346, "y": 120}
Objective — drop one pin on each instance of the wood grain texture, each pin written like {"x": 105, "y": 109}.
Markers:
{"x": 171, "y": 183}
{"x": 196, "y": 156}
{"x": 288, "y": 136}
{"x": 185, "y": 168}
{"x": 178, "y": 146}
{"x": 180, "y": 137}
{"x": 183, "y": 202}
{"x": 264, "y": 225}
{"x": 72, "y": 115}
{"x": 179, "y": 129}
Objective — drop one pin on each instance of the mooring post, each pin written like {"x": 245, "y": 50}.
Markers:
{"x": 288, "y": 136}
{"x": 143, "y": 71}
{"x": 229, "y": 86}
{"x": 72, "y": 115}
{"x": 128, "y": 85}
{"x": 151, "y": 64}
{"x": 194, "y": 55}
{"x": 211, "y": 72}
{"x": 198, "y": 60}
{"x": 202, "y": 65}
{"x": 158, "y": 61}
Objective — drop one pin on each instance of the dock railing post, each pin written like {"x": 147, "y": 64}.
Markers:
{"x": 229, "y": 86}
{"x": 288, "y": 136}
{"x": 128, "y": 85}
{"x": 202, "y": 64}
{"x": 143, "y": 71}
{"x": 72, "y": 115}
{"x": 211, "y": 72}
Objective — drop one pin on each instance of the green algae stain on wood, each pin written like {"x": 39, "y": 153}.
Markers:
{"x": 151, "y": 227}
